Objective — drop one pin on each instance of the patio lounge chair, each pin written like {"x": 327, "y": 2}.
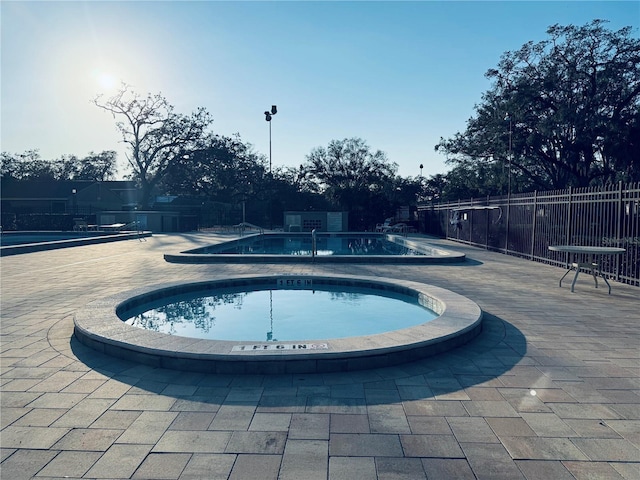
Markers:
{"x": 80, "y": 225}
{"x": 383, "y": 227}
{"x": 397, "y": 228}
{"x": 113, "y": 227}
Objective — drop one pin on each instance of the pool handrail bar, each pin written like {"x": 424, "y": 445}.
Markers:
{"x": 314, "y": 243}
{"x": 246, "y": 225}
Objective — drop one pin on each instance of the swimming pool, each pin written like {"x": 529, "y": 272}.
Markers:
{"x": 284, "y": 244}
{"x": 99, "y": 325}
{"x": 355, "y": 247}
{"x": 281, "y": 314}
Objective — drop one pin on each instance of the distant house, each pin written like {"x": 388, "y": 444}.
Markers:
{"x": 79, "y": 197}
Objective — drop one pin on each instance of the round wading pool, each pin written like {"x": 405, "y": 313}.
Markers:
{"x": 279, "y": 314}
{"x": 416, "y": 320}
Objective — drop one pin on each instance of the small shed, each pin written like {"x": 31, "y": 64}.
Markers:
{"x": 320, "y": 221}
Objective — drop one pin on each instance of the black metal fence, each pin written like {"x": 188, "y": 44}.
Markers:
{"x": 42, "y": 221}
{"x": 526, "y": 224}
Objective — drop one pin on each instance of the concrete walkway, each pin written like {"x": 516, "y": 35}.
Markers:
{"x": 549, "y": 390}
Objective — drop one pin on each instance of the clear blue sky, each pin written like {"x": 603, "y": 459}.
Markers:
{"x": 400, "y": 75}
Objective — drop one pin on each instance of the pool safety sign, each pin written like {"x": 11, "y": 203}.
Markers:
{"x": 260, "y": 347}
{"x": 294, "y": 282}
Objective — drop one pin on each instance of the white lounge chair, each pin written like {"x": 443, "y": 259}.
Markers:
{"x": 113, "y": 227}
{"x": 383, "y": 227}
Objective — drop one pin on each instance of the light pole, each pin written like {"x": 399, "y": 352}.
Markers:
{"x": 421, "y": 167}
{"x": 267, "y": 117}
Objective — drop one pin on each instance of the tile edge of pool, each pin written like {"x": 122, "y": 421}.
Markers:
{"x": 98, "y": 326}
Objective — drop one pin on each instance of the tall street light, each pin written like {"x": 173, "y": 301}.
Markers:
{"x": 267, "y": 117}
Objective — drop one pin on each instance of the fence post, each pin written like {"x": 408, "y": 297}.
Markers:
{"x": 618, "y": 228}
{"x": 446, "y": 220}
{"x": 533, "y": 223}
{"x": 471, "y": 222}
{"x": 486, "y": 234}
{"x": 459, "y": 223}
{"x": 506, "y": 233}
{"x": 568, "y": 233}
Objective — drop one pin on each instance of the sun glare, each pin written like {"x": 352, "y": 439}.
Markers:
{"x": 104, "y": 79}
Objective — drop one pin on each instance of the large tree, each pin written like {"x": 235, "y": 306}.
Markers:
{"x": 561, "y": 112}
{"x": 31, "y": 166}
{"x": 220, "y": 169}
{"x": 353, "y": 178}
{"x": 98, "y": 167}
{"x": 154, "y": 133}
{"x": 224, "y": 170}
{"x": 27, "y": 166}
{"x": 297, "y": 190}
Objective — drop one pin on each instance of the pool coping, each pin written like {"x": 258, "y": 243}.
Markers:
{"x": 443, "y": 255}
{"x": 8, "y": 250}
{"x": 98, "y": 326}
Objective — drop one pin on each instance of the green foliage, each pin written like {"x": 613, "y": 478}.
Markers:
{"x": 561, "y": 112}
{"x": 292, "y": 189}
{"x": 349, "y": 164}
{"x": 228, "y": 171}
{"x": 353, "y": 178}
{"x": 345, "y": 176}
{"x": 154, "y": 133}
{"x": 30, "y": 166}
{"x": 221, "y": 169}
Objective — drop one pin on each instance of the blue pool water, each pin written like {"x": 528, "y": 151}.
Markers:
{"x": 301, "y": 245}
{"x": 295, "y": 247}
{"x": 281, "y": 314}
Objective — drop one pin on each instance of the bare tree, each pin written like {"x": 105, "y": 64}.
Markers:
{"x": 154, "y": 133}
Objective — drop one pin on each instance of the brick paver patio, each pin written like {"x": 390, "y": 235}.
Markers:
{"x": 549, "y": 390}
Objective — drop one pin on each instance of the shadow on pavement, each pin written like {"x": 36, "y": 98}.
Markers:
{"x": 496, "y": 350}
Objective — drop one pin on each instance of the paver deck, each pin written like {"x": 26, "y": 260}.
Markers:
{"x": 549, "y": 390}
